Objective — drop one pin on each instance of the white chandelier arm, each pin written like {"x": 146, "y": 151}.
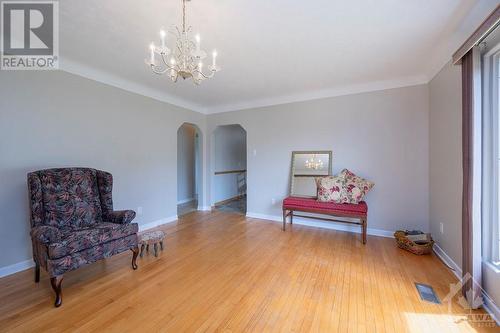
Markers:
{"x": 165, "y": 62}
{"x": 162, "y": 69}
{"x": 158, "y": 71}
{"x": 206, "y": 76}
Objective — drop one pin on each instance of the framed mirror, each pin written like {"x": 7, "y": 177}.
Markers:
{"x": 306, "y": 165}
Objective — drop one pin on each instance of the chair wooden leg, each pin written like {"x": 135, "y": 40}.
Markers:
{"x": 135, "y": 251}
{"x": 142, "y": 250}
{"x": 363, "y": 229}
{"x": 56, "y": 283}
{"x": 37, "y": 272}
{"x": 291, "y": 217}
{"x": 161, "y": 245}
{"x": 155, "y": 246}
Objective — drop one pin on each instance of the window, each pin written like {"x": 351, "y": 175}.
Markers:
{"x": 496, "y": 109}
{"x": 491, "y": 154}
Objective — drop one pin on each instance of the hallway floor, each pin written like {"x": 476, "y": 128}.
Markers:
{"x": 236, "y": 206}
{"x": 187, "y": 207}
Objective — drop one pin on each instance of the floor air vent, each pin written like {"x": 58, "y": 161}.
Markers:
{"x": 427, "y": 293}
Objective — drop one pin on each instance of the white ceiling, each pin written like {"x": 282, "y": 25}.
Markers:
{"x": 270, "y": 51}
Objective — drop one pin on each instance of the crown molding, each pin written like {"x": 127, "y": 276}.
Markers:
{"x": 320, "y": 94}
{"x": 94, "y": 74}
{"x": 76, "y": 68}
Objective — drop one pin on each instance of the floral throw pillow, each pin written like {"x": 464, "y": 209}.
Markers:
{"x": 355, "y": 187}
{"x": 330, "y": 188}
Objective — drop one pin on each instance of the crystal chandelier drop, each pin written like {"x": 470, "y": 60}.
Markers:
{"x": 185, "y": 59}
{"x": 314, "y": 163}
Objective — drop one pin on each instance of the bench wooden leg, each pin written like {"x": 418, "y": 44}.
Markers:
{"x": 363, "y": 229}
{"x": 284, "y": 219}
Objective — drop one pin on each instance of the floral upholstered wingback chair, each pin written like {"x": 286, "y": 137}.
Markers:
{"x": 73, "y": 222}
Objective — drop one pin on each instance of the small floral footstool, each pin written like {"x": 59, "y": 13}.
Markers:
{"x": 151, "y": 238}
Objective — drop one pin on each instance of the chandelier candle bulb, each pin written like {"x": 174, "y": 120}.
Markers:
{"x": 172, "y": 66}
{"x": 214, "y": 57}
{"x": 152, "y": 48}
{"x": 198, "y": 39}
{"x": 163, "y": 34}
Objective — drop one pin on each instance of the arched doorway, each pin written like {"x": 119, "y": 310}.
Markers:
{"x": 229, "y": 182}
{"x": 189, "y": 168}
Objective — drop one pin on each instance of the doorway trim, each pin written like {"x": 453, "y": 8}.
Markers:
{"x": 213, "y": 173}
{"x": 198, "y": 165}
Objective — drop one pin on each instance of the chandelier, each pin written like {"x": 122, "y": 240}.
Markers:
{"x": 185, "y": 59}
{"x": 314, "y": 163}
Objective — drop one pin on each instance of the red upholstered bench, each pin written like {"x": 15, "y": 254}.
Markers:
{"x": 311, "y": 205}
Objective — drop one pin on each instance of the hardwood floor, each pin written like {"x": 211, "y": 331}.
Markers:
{"x": 224, "y": 272}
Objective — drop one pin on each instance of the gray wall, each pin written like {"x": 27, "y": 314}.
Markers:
{"x": 230, "y": 151}
{"x": 186, "y": 173}
{"x": 445, "y": 170}
{"x": 55, "y": 119}
{"x": 72, "y": 121}
{"x": 381, "y": 135}
{"x": 445, "y": 160}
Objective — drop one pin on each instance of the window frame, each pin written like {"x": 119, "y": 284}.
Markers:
{"x": 495, "y": 248}
{"x": 491, "y": 156}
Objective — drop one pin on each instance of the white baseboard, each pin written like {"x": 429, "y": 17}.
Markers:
{"x": 156, "y": 223}
{"x": 205, "y": 208}
{"x": 491, "y": 308}
{"x": 326, "y": 225}
{"x": 17, "y": 267}
{"x": 448, "y": 261}
{"x": 183, "y": 201}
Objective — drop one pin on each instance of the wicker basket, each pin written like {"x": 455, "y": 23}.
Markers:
{"x": 405, "y": 243}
